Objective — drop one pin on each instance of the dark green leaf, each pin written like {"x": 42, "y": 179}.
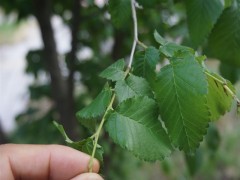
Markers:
{"x": 144, "y": 60}
{"x": 224, "y": 41}
{"x": 213, "y": 138}
{"x": 135, "y": 126}
{"x": 194, "y": 161}
{"x": 181, "y": 89}
{"x": 87, "y": 116}
{"x": 231, "y": 73}
{"x": 201, "y": 16}
{"x": 120, "y": 11}
{"x": 115, "y": 71}
{"x": 219, "y": 100}
{"x": 132, "y": 86}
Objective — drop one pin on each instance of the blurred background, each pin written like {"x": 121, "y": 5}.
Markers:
{"x": 51, "y": 52}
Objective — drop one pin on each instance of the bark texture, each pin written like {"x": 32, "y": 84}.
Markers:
{"x": 59, "y": 85}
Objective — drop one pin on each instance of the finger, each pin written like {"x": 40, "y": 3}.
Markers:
{"x": 88, "y": 176}
{"x": 44, "y": 161}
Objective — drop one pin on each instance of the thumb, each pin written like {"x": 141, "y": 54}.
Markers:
{"x": 88, "y": 176}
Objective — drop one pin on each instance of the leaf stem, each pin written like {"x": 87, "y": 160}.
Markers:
{"x": 97, "y": 134}
{"x": 142, "y": 44}
{"x": 225, "y": 86}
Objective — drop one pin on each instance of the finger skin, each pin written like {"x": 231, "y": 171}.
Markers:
{"x": 42, "y": 162}
{"x": 88, "y": 176}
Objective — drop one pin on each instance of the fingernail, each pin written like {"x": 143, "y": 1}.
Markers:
{"x": 88, "y": 176}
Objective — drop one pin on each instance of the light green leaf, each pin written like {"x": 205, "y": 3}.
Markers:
{"x": 120, "y": 11}
{"x": 115, "y": 71}
{"x": 201, "y": 17}
{"x": 62, "y": 131}
{"x": 181, "y": 89}
{"x": 135, "y": 127}
{"x": 132, "y": 86}
{"x": 171, "y": 49}
{"x": 224, "y": 41}
{"x": 219, "y": 100}
{"x": 144, "y": 60}
{"x": 159, "y": 38}
{"x": 85, "y": 145}
{"x": 88, "y": 115}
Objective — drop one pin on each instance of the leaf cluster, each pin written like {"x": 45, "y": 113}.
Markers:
{"x": 157, "y": 111}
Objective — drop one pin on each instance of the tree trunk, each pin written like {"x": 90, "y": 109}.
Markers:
{"x": 119, "y": 38}
{"x": 71, "y": 60}
{"x": 59, "y": 85}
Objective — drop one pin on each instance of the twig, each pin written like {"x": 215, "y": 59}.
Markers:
{"x": 134, "y": 17}
{"x": 97, "y": 134}
{"x": 224, "y": 84}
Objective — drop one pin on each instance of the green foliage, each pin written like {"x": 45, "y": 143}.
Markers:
{"x": 88, "y": 115}
{"x": 149, "y": 3}
{"x": 132, "y": 86}
{"x": 194, "y": 161}
{"x": 224, "y": 41}
{"x": 181, "y": 90}
{"x": 230, "y": 72}
{"x": 35, "y": 130}
{"x": 219, "y": 100}
{"x": 115, "y": 71}
{"x": 201, "y": 16}
{"x": 85, "y": 145}
{"x": 144, "y": 60}
{"x": 152, "y": 110}
{"x": 135, "y": 126}
{"x": 35, "y": 62}
{"x": 169, "y": 49}
{"x": 213, "y": 138}
{"x": 120, "y": 11}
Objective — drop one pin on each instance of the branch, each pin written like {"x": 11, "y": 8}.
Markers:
{"x": 224, "y": 84}
{"x": 134, "y": 16}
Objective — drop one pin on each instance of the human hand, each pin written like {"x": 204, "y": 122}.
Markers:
{"x": 45, "y": 162}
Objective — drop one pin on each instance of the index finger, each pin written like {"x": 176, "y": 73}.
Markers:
{"x": 42, "y": 162}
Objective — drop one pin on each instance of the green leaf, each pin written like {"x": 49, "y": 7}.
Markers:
{"x": 135, "y": 127}
{"x": 171, "y": 49}
{"x": 219, "y": 100}
{"x": 132, "y": 86}
{"x": 230, "y": 72}
{"x": 120, "y": 11}
{"x": 224, "y": 41}
{"x": 194, "y": 161}
{"x": 144, "y": 60}
{"x": 115, "y": 71}
{"x": 201, "y": 17}
{"x": 213, "y": 138}
{"x": 87, "y": 116}
{"x": 181, "y": 89}
{"x": 159, "y": 38}
{"x": 85, "y": 145}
